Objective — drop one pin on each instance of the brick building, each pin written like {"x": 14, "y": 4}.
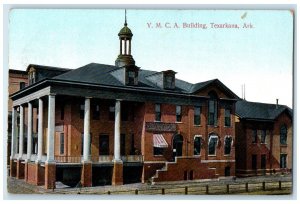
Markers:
{"x": 264, "y": 137}
{"x": 111, "y": 125}
{"x": 17, "y": 80}
{"x": 103, "y": 124}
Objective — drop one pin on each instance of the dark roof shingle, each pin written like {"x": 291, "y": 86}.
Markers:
{"x": 259, "y": 111}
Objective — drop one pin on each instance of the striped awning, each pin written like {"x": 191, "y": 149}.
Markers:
{"x": 159, "y": 141}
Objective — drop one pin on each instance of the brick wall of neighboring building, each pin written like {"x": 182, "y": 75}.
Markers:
{"x": 271, "y": 148}
{"x": 15, "y": 78}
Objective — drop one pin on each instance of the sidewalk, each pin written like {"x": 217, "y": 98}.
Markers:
{"x": 21, "y": 187}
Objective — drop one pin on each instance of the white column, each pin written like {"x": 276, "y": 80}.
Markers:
{"x": 51, "y": 129}
{"x": 117, "y": 156}
{"x": 40, "y": 131}
{"x": 86, "y": 136}
{"x": 13, "y": 133}
{"x": 29, "y": 131}
{"x": 21, "y": 133}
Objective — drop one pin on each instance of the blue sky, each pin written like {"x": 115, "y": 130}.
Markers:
{"x": 260, "y": 57}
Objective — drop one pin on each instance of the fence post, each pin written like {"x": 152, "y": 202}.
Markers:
{"x": 163, "y": 191}
{"x": 264, "y": 186}
{"x": 136, "y": 191}
{"x": 227, "y": 188}
{"x": 186, "y": 190}
{"x": 279, "y": 185}
{"x": 207, "y": 190}
{"x": 246, "y": 186}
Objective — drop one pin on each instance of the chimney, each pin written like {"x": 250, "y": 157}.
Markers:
{"x": 277, "y": 103}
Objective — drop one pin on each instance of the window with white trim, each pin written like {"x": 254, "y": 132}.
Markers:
{"x": 212, "y": 144}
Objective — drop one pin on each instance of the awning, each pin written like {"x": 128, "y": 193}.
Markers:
{"x": 159, "y": 141}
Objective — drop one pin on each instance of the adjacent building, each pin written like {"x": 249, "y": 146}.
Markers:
{"x": 17, "y": 80}
{"x": 264, "y": 138}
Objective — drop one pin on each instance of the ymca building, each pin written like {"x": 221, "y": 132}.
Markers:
{"x": 112, "y": 125}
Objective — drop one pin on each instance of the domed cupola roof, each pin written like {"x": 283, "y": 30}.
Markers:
{"x": 125, "y": 32}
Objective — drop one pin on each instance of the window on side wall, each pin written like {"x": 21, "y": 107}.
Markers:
{"x": 283, "y": 135}
{"x": 263, "y": 136}
{"x": 227, "y": 117}
{"x": 254, "y": 136}
{"x": 283, "y": 160}
{"x": 228, "y": 143}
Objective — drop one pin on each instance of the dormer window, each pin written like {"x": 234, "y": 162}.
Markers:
{"x": 169, "y": 79}
{"x": 131, "y": 77}
{"x": 31, "y": 75}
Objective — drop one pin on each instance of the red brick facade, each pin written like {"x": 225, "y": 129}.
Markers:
{"x": 271, "y": 148}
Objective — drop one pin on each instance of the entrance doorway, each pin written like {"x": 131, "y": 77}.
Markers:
{"x": 177, "y": 146}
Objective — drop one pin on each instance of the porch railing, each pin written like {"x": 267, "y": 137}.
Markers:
{"x": 133, "y": 158}
{"x": 68, "y": 159}
{"x": 98, "y": 159}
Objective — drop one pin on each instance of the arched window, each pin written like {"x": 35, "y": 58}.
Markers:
{"x": 212, "y": 144}
{"x": 227, "y": 145}
{"x": 212, "y": 108}
{"x": 283, "y": 135}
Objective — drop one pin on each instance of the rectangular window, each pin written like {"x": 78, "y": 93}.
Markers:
{"x": 81, "y": 111}
{"x": 62, "y": 143}
{"x": 111, "y": 112}
{"x": 197, "y": 145}
{"x": 212, "y": 113}
{"x": 254, "y": 136}
{"x": 96, "y": 112}
{"x": 62, "y": 111}
{"x": 263, "y": 161}
{"x": 263, "y": 136}
{"x": 212, "y": 144}
{"x": 178, "y": 114}
{"x": 157, "y": 112}
{"x": 197, "y": 114}
{"x": 22, "y": 85}
{"x": 131, "y": 77}
{"x": 227, "y": 118}
{"x": 283, "y": 160}
{"x": 228, "y": 141}
{"x": 158, "y": 151}
{"x": 254, "y": 161}
{"x": 103, "y": 145}
{"x": 169, "y": 82}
